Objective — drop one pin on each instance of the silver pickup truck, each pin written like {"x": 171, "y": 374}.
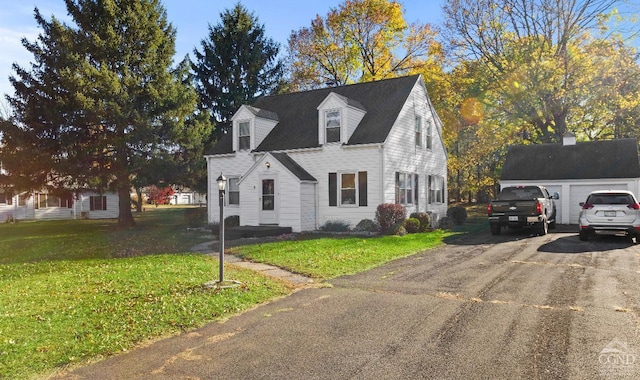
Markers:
{"x": 521, "y": 206}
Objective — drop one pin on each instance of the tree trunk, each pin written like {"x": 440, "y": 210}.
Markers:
{"x": 139, "y": 204}
{"x": 125, "y": 217}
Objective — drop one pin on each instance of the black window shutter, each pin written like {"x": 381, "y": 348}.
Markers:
{"x": 416, "y": 193}
{"x": 91, "y": 203}
{"x": 397, "y": 187}
{"x": 333, "y": 189}
{"x": 104, "y": 202}
{"x": 362, "y": 188}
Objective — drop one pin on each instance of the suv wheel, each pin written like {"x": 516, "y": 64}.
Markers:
{"x": 495, "y": 228}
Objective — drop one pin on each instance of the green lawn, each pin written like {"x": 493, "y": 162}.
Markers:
{"x": 325, "y": 258}
{"x": 76, "y": 291}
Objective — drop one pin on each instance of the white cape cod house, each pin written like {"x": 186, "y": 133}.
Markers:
{"x": 334, "y": 154}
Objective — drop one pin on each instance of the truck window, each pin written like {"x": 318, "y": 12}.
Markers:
{"x": 520, "y": 193}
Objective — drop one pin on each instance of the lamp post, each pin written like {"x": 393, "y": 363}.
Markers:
{"x": 222, "y": 182}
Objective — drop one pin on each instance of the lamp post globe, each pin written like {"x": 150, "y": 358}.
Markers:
{"x": 222, "y": 182}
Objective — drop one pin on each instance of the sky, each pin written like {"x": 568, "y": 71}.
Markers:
{"x": 191, "y": 19}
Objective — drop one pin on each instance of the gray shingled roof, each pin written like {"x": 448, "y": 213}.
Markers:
{"x": 263, "y": 113}
{"x": 293, "y": 167}
{"x": 297, "y": 114}
{"x": 586, "y": 160}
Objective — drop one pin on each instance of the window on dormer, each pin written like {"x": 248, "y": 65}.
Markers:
{"x": 244, "y": 135}
{"x": 332, "y": 126}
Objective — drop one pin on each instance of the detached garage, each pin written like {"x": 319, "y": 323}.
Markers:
{"x": 574, "y": 170}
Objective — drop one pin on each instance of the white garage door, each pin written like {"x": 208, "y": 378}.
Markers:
{"x": 579, "y": 194}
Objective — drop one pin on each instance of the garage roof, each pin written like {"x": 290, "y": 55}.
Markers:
{"x": 585, "y": 160}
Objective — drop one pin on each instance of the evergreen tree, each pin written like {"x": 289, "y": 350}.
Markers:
{"x": 236, "y": 65}
{"x": 100, "y": 101}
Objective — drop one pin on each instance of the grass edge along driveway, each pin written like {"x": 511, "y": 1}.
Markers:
{"x": 329, "y": 257}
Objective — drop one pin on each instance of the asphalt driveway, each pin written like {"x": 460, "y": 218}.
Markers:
{"x": 500, "y": 307}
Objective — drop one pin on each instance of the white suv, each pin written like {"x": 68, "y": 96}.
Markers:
{"x": 610, "y": 212}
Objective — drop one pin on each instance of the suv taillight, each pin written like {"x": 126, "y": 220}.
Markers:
{"x": 539, "y": 209}
{"x": 587, "y": 206}
{"x": 489, "y": 209}
{"x": 634, "y": 206}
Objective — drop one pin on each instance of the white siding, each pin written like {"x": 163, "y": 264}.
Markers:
{"x": 288, "y": 197}
{"x": 262, "y": 128}
{"x": 232, "y": 165}
{"x": 332, "y": 102}
{"x": 14, "y": 211}
{"x": 308, "y": 206}
{"x": 352, "y": 119}
{"x": 402, "y": 154}
{"x": 243, "y": 115}
{"x": 338, "y": 159}
{"x": 187, "y": 198}
{"x": 294, "y": 199}
{"x": 83, "y": 205}
{"x": 79, "y": 209}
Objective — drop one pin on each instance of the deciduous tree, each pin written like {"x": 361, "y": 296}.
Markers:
{"x": 536, "y": 58}
{"x": 361, "y": 40}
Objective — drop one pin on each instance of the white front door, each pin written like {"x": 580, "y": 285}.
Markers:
{"x": 268, "y": 201}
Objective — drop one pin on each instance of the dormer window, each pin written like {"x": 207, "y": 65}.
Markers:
{"x": 244, "y": 135}
{"x": 332, "y": 125}
{"x": 418, "y": 126}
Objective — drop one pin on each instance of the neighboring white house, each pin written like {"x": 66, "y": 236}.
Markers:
{"x": 301, "y": 159}
{"x": 574, "y": 170}
{"x": 187, "y": 197}
{"x": 38, "y": 206}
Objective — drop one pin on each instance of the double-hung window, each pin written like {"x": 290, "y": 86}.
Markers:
{"x": 233, "y": 191}
{"x": 405, "y": 188}
{"x": 348, "y": 189}
{"x": 244, "y": 135}
{"x": 333, "y": 121}
{"x": 436, "y": 189}
{"x": 429, "y": 132}
{"x": 97, "y": 202}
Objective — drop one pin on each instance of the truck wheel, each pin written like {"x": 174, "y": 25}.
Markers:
{"x": 495, "y": 228}
{"x": 543, "y": 227}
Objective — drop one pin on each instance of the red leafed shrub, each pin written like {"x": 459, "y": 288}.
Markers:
{"x": 159, "y": 196}
{"x": 388, "y": 215}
